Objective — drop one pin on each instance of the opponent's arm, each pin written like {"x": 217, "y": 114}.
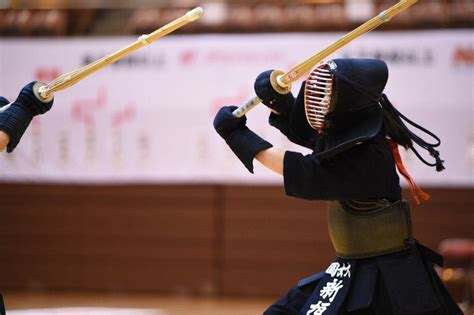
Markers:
{"x": 15, "y": 119}
{"x": 4, "y": 139}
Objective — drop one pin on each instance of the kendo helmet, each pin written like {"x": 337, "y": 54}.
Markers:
{"x": 338, "y": 105}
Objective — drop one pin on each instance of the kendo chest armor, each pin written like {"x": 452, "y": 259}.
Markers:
{"x": 365, "y": 229}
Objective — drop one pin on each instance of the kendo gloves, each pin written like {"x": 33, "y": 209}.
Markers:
{"x": 16, "y": 118}
{"x": 289, "y": 110}
{"x": 241, "y": 140}
{"x": 281, "y": 103}
{"x": 3, "y": 101}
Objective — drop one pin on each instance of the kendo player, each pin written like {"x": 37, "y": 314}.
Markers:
{"x": 15, "y": 119}
{"x": 354, "y": 131}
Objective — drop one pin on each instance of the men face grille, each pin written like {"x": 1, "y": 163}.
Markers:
{"x": 318, "y": 92}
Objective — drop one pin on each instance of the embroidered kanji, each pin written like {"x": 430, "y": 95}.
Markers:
{"x": 318, "y": 308}
{"x": 333, "y": 268}
{"x": 330, "y": 289}
{"x": 338, "y": 270}
{"x": 344, "y": 271}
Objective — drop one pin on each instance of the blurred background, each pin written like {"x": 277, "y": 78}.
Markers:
{"x": 123, "y": 199}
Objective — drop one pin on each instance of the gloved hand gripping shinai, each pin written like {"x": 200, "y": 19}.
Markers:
{"x": 3, "y": 101}
{"x": 15, "y": 119}
{"x": 281, "y": 103}
{"x": 242, "y": 141}
{"x": 285, "y": 105}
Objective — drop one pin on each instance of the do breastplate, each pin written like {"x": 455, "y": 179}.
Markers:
{"x": 365, "y": 229}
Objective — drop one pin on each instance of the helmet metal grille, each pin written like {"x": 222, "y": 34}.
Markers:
{"x": 317, "y": 96}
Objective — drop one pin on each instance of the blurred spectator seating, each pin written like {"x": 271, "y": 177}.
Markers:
{"x": 241, "y": 18}
{"x": 461, "y": 13}
{"x": 49, "y": 23}
{"x": 46, "y": 22}
{"x": 431, "y": 13}
{"x": 33, "y": 22}
{"x": 143, "y": 21}
{"x": 269, "y": 17}
{"x": 237, "y": 17}
{"x": 330, "y": 16}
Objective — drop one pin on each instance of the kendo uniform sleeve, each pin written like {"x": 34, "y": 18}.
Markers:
{"x": 2, "y": 305}
{"x": 282, "y": 123}
{"x": 287, "y": 121}
{"x": 363, "y": 172}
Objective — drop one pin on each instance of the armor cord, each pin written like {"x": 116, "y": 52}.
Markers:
{"x": 415, "y": 190}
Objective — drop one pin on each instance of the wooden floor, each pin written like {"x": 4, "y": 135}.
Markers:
{"x": 23, "y": 303}
{"x": 163, "y": 305}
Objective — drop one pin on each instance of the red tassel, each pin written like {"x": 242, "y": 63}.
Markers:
{"x": 415, "y": 190}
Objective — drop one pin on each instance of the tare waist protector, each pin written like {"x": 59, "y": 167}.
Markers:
{"x": 367, "y": 229}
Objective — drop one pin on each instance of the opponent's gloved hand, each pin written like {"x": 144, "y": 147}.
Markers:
{"x": 16, "y": 118}
{"x": 241, "y": 140}
{"x": 3, "y": 101}
{"x": 283, "y": 104}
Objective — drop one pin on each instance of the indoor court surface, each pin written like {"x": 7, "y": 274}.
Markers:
{"x": 128, "y": 304}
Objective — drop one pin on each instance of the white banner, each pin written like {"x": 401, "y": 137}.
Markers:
{"x": 148, "y": 118}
